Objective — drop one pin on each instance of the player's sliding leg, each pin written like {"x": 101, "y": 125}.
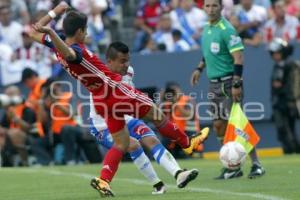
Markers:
{"x": 170, "y": 130}
{"x": 143, "y": 163}
{"x": 165, "y": 159}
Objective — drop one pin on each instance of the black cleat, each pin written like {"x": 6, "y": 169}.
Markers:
{"x": 230, "y": 174}
{"x": 256, "y": 171}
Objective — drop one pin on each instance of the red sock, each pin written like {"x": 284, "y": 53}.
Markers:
{"x": 171, "y": 131}
{"x": 111, "y": 163}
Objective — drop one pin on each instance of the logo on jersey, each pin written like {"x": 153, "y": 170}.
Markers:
{"x": 107, "y": 167}
{"x": 141, "y": 129}
{"x": 215, "y": 47}
{"x": 234, "y": 40}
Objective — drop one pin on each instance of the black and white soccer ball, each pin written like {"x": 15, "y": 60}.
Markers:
{"x": 232, "y": 155}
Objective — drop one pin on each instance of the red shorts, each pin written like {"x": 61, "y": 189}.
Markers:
{"x": 121, "y": 100}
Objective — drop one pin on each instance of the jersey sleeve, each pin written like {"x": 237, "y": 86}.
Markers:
{"x": 78, "y": 51}
{"x": 233, "y": 40}
{"x": 46, "y": 40}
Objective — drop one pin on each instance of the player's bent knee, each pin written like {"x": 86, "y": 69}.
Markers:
{"x": 121, "y": 139}
{"x": 133, "y": 145}
{"x": 149, "y": 142}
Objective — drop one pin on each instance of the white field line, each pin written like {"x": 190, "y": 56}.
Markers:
{"x": 192, "y": 189}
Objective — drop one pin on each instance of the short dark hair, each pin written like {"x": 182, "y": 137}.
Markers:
{"x": 115, "y": 48}
{"x": 220, "y": 2}
{"x": 27, "y": 74}
{"x": 74, "y": 21}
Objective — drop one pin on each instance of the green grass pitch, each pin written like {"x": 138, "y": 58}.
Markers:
{"x": 282, "y": 181}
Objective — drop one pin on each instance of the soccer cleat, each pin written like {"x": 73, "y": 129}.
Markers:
{"x": 159, "y": 188}
{"x": 102, "y": 187}
{"x": 256, "y": 171}
{"x": 186, "y": 176}
{"x": 230, "y": 174}
{"x": 197, "y": 140}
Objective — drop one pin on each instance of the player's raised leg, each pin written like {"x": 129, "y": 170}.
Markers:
{"x": 170, "y": 130}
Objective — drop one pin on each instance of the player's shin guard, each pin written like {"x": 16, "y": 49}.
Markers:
{"x": 111, "y": 163}
{"x": 144, "y": 165}
{"x": 165, "y": 159}
{"x": 171, "y": 131}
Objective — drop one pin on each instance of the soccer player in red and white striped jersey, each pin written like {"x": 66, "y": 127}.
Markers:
{"x": 112, "y": 98}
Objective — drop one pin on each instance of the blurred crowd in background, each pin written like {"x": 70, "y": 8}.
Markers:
{"x": 147, "y": 26}
{"x": 28, "y": 132}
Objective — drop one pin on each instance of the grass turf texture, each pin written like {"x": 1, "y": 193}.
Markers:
{"x": 281, "y": 181}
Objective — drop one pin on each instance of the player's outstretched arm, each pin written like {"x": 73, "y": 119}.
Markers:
{"x": 60, "y": 46}
{"x": 58, "y": 10}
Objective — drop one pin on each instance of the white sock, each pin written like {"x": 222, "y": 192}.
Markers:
{"x": 144, "y": 165}
{"x": 164, "y": 158}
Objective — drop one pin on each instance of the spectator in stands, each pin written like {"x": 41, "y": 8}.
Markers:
{"x": 199, "y": 3}
{"x": 293, "y": 7}
{"x": 6, "y": 54}
{"x": 181, "y": 110}
{"x": 227, "y": 7}
{"x": 282, "y": 25}
{"x": 113, "y": 18}
{"x": 163, "y": 33}
{"x": 38, "y": 5}
{"x": 249, "y": 20}
{"x": 67, "y": 135}
{"x": 285, "y": 94}
{"x": 189, "y": 20}
{"x": 10, "y": 31}
{"x": 33, "y": 82}
{"x": 264, "y": 3}
{"x": 34, "y": 55}
{"x": 147, "y": 18}
{"x": 19, "y": 11}
{"x": 166, "y": 5}
{"x": 16, "y": 123}
{"x": 150, "y": 46}
{"x": 180, "y": 45}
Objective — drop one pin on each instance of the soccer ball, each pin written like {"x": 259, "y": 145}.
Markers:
{"x": 233, "y": 155}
